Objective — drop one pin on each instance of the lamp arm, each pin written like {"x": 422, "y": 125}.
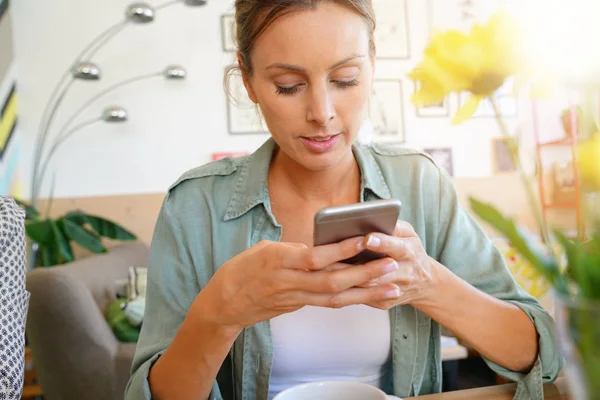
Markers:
{"x": 167, "y": 4}
{"x": 57, "y": 98}
{"x": 57, "y": 144}
{"x": 102, "y": 93}
{"x": 36, "y": 187}
{"x": 100, "y": 41}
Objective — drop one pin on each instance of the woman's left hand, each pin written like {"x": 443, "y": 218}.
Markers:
{"x": 417, "y": 274}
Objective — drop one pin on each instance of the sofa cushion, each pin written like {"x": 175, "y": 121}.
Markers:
{"x": 123, "y": 361}
{"x": 118, "y": 322}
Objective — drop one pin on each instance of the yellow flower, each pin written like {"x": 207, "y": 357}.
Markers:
{"x": 477, "y": 62}
{"x": 588, "y": 159}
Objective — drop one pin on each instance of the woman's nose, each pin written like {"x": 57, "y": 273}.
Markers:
{"x": 320, "y": 110}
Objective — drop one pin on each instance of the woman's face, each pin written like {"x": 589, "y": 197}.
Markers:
{"x": 312, "y": 76}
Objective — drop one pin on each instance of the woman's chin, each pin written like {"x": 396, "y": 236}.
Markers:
{"x": 322, "y": 161}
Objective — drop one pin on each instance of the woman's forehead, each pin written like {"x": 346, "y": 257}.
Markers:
{"x": 326, "y": 34}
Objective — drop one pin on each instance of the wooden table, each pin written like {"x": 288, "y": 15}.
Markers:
{"x": 552, "y": 391}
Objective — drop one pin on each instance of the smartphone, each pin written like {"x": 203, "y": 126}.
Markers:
{"x": 334, "y": 224}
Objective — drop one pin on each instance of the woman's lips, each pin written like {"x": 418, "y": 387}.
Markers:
{"x": 320, "y": 144}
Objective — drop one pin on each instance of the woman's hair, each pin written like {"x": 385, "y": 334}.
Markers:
{"x": 253, "y": 17}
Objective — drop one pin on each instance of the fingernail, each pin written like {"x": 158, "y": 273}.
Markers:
{"x": 393, "y": 294}
{"x": 390, "y": 267}
{"x": 373, "y": 241}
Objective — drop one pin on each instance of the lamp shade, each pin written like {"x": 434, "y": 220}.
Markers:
{"x": 140, "y": 13}
{"x": 174, "y": 72}
{"x": 86, "y": 70}
{"x": 114, "y": 114}
{"x": 194, "y": 2}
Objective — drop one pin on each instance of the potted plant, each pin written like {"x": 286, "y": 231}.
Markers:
{"x": 480, "y": 62}
{"x": 53, "y": 237}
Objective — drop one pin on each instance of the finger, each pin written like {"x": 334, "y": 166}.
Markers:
{"x": 402, "y": 276}
{"x": 340, "y": 280}
{"x": 395, "y": 247}
{"x": 346, "y": 298}
{"x": 404, "y": 229}
{"x": 319, "y": 257}
{"x": 297, "y": 245}
{"x": 337, "y": 267}
{"x": 364, "y": 296}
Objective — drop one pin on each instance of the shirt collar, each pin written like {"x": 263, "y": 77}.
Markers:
{"x": 251, "y": 187}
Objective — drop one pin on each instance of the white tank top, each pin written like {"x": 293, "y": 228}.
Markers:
{"x": 315, "y": 344}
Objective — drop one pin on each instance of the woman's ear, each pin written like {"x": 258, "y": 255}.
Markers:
{"x": 246, "y": 79}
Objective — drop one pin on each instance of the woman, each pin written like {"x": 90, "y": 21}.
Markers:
{"x": 14, "y": 298}
{"x": 240, "y": 305}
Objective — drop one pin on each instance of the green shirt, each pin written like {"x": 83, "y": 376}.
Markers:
{"x": 218, "y": 210}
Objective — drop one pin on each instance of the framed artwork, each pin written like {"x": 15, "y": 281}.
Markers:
{"x": 228, "y": 32}
{"x": 243, "y": 116}
{"x": 501, "y": 158}
{"x": 387, "y": 111}
{"x": 505, "y": 99}
{"x": 443, "y": 157}
{"x": 219, "y": 156}
{"x": 391, "y": 35}
{"x": 441, "y": 109}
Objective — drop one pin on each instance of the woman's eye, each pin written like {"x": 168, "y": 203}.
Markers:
{"x": 287, "y": 90}
{"x": 345, "y": 84}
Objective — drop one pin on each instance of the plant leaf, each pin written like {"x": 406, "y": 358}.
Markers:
{"x": 102, "y": 226}
{"x": 546, "y": 265}
{"x": 83, "y": 237}
{"x": 61, "y": 241}
{"x": 77, "y": 216}
{"x": 31, "y": 213}
{"x": 575, "y": 255}
{"x": 48, "y": 256}
{"x": 583, "y": 264}
{"x": 109, "y": 229}
{"x": 40, "y": 232}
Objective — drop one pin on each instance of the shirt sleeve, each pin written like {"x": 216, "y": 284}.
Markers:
{"x": 464, "y": 248}
{"x": 172, "y": 287}
{"x": 14, "y": 298}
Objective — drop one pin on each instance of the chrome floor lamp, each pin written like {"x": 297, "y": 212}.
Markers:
{"x": 47, "y": 141}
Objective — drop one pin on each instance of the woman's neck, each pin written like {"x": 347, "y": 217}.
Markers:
{"x": 336, "y": 185}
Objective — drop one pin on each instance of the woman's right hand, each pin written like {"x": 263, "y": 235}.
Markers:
{"x": 273, "y": 278}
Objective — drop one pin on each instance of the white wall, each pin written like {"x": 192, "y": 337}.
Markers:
{"x": 174, "y": 126}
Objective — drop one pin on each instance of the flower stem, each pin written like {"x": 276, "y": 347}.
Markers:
{"x": 514, "y": 152}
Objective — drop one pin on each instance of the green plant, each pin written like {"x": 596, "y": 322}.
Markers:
{"x": 54, "y": 237}
{"x": 480, "y": 62}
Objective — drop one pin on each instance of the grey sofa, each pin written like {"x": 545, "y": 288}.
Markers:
{"x": 75, "y": 353}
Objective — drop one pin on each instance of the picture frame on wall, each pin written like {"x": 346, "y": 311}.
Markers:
{"x": 502, "y": 161}
{"x": 243, "y": 116}
{"x": 228, "y": 33}
{"x": 392, "y": 33}
{"x": 233, "y": 154}
{"x": 439, "y": 110}
{"x": 443, "y": 157}
{"x": 387, "y": 111}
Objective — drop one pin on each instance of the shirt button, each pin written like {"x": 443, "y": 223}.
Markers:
{"x": 405, "y": 336}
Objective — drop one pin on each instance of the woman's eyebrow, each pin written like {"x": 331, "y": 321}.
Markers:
{"x": 300, "y": 69}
